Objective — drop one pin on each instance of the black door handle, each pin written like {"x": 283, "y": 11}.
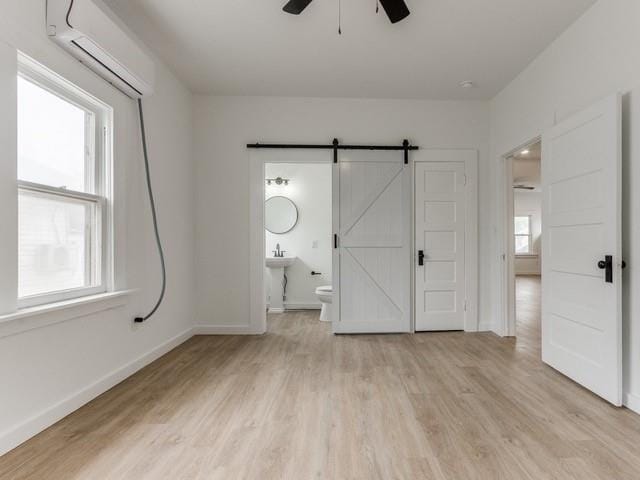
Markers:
{"x": 421, "y": 257}
{"x": 607, "y": 266}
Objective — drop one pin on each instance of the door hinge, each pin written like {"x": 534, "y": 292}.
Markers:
{"x": 465, "y": 305}
{"x": 464, "y": 178}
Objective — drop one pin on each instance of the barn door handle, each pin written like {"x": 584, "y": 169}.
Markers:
{"x": 421, "y": 257}
{"x": 607, "y": 266}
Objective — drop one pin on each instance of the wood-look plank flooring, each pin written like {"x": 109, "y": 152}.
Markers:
{"x": 300, "y": 403}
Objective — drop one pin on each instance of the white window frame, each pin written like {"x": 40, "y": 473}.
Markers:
{"x": 98, "y": 168}
{"x": 529, "y": 235}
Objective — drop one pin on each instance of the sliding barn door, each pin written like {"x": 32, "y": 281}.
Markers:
{"x": 372, "y": 257}
{"x": 581, "y": 263}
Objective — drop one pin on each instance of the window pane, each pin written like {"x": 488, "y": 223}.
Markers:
{"x": 51, "y": 139}
{"x": 522, "y": 244}
{"x": 521, "y": 225}
{"x": 55, "y": 235}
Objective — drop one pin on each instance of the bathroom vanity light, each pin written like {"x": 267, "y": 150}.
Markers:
{"x": 278, "y": 181}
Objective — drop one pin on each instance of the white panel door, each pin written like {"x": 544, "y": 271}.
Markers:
{"x": 372, "y": 261}
{"x": 581, "y": 301}
{"x": 440, "y": 242}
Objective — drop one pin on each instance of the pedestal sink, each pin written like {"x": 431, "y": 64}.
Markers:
{"x": 280, "y": 262}
{"x": 276, "y": 266}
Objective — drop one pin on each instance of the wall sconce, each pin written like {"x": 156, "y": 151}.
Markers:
{"x": 278, "y": 181}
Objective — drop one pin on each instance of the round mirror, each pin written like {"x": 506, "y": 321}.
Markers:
{"x": 280, "y": 215}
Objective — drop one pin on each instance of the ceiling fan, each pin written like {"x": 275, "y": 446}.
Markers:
{"x": 396, "y": 9}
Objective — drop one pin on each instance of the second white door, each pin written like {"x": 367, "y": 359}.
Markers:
{"x": 582, "y": 254}
{"x": 440, "y": 218}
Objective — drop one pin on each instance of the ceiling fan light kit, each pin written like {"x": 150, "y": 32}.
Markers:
{"x": 396, "y": 10}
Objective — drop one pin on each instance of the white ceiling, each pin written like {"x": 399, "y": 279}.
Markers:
{"x": 526, "y": 167}
{"x": 251, "y": 47}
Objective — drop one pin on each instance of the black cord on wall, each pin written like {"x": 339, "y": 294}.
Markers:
{"x": 154, "y": 216}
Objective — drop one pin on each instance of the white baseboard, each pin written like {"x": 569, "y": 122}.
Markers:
{"x": 300, "y": 306}
{"x": 225, "y": 330}
{"x": 632, "y": 402}
{"x": 17, "y": 435}
{"x": 485, "y": 327}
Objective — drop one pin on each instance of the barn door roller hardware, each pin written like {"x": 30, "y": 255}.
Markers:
{"x": 406, "y": 147}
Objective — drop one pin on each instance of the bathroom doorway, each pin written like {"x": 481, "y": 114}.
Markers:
{"x": 298, "y": 249}
{"x": 292, "y": 204}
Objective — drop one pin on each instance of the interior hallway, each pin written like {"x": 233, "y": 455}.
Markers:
{"x": 300, "y": 403}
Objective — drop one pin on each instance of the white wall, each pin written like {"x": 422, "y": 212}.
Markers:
{"x": 47, "y": 372}
{"x": 594, "y": 58}
{"x": 310, "y": 190}
{"x": 223, "y": 127}
{"x": 529, "y": 203}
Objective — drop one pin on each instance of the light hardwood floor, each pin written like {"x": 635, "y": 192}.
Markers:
{"x": 302, "y": 404}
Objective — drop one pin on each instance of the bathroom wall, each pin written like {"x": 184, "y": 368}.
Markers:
{"x": 529, "y": 203}
{"x": 310, "y": 239}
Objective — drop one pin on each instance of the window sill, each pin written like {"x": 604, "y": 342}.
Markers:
{"x": 31, "y": 318}
{"x": 526, "y": 255}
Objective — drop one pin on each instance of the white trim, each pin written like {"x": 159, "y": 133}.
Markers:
{"x": 226, "y": 330}
{"x": 41, "y": 316}
{"x": 13, "y": 437}
{"x": 632, "y": 402}
{"x": 257, "y": 301}
{"x": 470, "y": 158}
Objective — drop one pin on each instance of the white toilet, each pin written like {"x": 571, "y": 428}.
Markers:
{"x": 325, "y": 295}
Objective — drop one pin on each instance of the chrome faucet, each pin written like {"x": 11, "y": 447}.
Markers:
{"x": 277, "y": 252}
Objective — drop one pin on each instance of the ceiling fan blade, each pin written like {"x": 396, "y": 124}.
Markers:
{"x": 295, "y": 7}
{"x": 396, "y": 9}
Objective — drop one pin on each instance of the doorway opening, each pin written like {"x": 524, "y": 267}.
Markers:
{"x": 526, "y": 241}
{"x": 521, "y": 233}
{"x": 297, "y": 238}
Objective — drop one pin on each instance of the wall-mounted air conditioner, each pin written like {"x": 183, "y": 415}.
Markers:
{"x": 92, "y": 33}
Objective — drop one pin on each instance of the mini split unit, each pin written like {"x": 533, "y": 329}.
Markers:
{"x": 94, "y": 35}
